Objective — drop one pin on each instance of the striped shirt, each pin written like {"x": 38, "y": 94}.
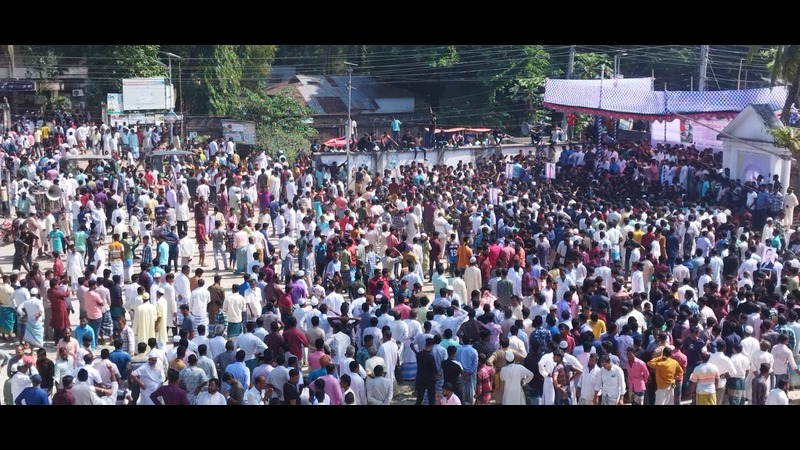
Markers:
{"x": 706, "y": 376}
{"x": 128, "y": 340}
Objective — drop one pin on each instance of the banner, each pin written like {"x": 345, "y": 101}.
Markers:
{"x": 143, "y": 94}
{"x": 114, "y": 104}
{"x": 242, "y": 132}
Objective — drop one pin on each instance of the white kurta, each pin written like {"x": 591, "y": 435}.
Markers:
{"x": 390, "y": 353}
{"x": 546, "y": 366}
{"x": 472, "y": 278}
{"x": 514, "y": 376}
{"x": 75, "y": 267}
{"x": 198, "y": 302}
{"x": 152, "y": 377}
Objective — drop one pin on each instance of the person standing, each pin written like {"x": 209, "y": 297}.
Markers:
{"x": 34, "y": 394}
{"x": 144, "y": 321}
{"x": 425, "y": 382}
{"x": 172, "y": 393}
{"x": 514, "y": 376}
{"x": 777, "y": 396}
{"x": 667, "y": 372}
{"x": 395, "y": 125}
{"x": 468, "y": 357}
{"x": 704, "y": 381}
{"x": 610, "y": 387}
{"x": 149, "y": 377}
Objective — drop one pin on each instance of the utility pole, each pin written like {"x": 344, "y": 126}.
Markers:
{"x": 701, "y": 85}
{"x": 349, "y": 126}
{"x": 739, "y": 77}
{"x": 570, "y": 70}
{"x": 571, "y": 62}
{"x": 170, "y": 117}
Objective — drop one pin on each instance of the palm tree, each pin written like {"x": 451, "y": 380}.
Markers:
{"x": 786, "y": 66}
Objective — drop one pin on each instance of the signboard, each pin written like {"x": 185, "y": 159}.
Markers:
{"x": 134, "y": 118}
{"x": 114, "y": 104}
{"x": 142, "y": 94}
{"x": 242, "y": 132}
{"x": 705, "y": 131}
{"x": 12, "y": 86}
{"x": 700, "y": 132}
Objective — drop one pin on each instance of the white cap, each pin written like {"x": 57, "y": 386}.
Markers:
{"x": 563, "y": 344}
{"x": 314, "y": 301}
{"x": 748, "y": 329}
{"x": 361, "y": 291}
{"x": 510, "y": 356}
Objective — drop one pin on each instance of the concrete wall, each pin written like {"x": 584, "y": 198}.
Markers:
{"x": 746, "y": 163}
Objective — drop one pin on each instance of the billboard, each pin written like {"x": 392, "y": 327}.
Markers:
{"x": 114, "y": 104}
{"x": 242, "y": 132}
{"x": 143, "y": 94}
{"x": 700, "y": 132}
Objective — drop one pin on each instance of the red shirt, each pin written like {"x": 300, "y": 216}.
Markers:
{"x": 297, "y": 340}
{"x": 58, "y": 268}
{"x": 494, "y": 253}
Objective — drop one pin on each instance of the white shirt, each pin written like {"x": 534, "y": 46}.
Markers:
{"x": 784, "y": 359}
{"x": 251, "y": 345}
{"x": 182, "y": 292}
{"x": 611, "y": 382}
{"x": 588, "y": 383}
{"x": 724, "y": 365}
{"x": 234, "y": 307}
{"x": 216, "y": 399}
{"x": 777, "y": 397}
{"x": 198, "y": 302}
{"x": 253, "y": 397}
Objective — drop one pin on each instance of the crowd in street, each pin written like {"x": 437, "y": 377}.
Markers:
{"x": 638, "y": 275}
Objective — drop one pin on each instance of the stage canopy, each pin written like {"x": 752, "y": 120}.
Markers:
{"x": 636, "y": 99}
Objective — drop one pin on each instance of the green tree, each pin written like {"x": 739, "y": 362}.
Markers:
{"x": 222, "y": 80}
{"x": 256, "y": 63}
{"x": 591, "y": 65}
{"x": 282, "y": 123}
{"x": 785, "y": 66}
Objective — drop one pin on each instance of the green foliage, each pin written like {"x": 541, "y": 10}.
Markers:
{"x": 256, "y": 64}
{"x": 281, "y": 121}
{"x": 61, "y": 102}
{"x": 788, "y": 137}
{"x": 44, "y": 66}
{"x": 222, "y": 80}
{"x": 589, "y": 66}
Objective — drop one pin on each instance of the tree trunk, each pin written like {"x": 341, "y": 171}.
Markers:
{"x": 791, "y": 95}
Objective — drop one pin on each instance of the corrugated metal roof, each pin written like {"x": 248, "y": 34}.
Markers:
{"x": 328, "y": 94}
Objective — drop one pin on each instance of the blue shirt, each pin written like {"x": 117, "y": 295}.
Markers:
{"x": 468, "y": 357}
{"x": 80, "y": 331}
{"x": 187, "y": 323}
{"x": 32, "y": 396}
{"x": 120, "y": 359}
{"x": 240, "y": 372}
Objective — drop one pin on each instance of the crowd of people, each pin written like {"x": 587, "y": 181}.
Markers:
{"x": 638, "y": 275}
